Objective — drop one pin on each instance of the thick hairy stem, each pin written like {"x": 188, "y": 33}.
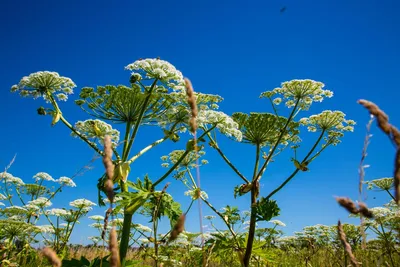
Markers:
{"x": 252, "y": 228}
{"x": 126, "y": 229}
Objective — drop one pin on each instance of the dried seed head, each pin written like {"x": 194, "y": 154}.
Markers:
{"x": 363, "y": 209}
{"x": 347, "y": 247}
{"x": 114, "y": 258}
{"x": 109, "y": 188}
{"x": 178, "y": 228}
{"x": 396, "y": 177}
{"x": 348, "y": 204}
{"x": 192, "y": 104}
{"x": 107, "y": 157}
{"x": 105, "y": 224}
{"x": 381, "y": 116}
{"x": 52, "y": 257}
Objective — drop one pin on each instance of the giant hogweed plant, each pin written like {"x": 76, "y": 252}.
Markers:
{"x": 272, "y": 133}
{"x": 156, "y": 96}
{"x": 26, "y": 216}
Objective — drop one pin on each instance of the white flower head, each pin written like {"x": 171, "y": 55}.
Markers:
{"x": 299, "y": 92}
{"x": 9, "y": 178}
{"x": 82, "y": 204}
{"x": 223, "y": 122}
{"x": 97, "y": 218}
{"x": 57, "y": 212}
{"x": 96, "y": 225}
{"x": 66, "y": 181}
{"x": 142, "y": 228}
{"x": 278, "y": 223}
{"x": 41, "y": 202}
{"x": 159, "y": 69}
{"x": 46, "y": 229}
{"x": 44, "y": 82}
{"x": 43, "y": 176}
{"x": 196, "y": 193}
{"x": 97, "y": 129}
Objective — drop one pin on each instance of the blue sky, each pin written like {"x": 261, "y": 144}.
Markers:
{"x": 231, "y": 48}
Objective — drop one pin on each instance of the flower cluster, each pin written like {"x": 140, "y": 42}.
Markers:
{"x": 82, "y": 204}
{"x": 300, "y": 92}
{"x": 382, "y": 183}
{"x": 189, "y": 161}
{"x": 154, "y": 68}
{"x": 57, "y": 212}
{"x": 45, "y": 82}
{"x": 96, "y": 129}
{"x": 66, "y": 181}
{"x": 43, "y": 176}
{"x": 9, "y": 178}
{"x": 278, "y": 223}
{"x": 332, "y": 122}
{"x": 195, "y": 194}
{"x": 223, "y": 122}
{"x": 41, "y": 202}
{"x": 97, "y": 218}
{"x": 142, "y": 228}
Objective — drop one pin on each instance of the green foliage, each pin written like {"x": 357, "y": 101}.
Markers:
{"x": 264, "y": 128}
{"x": 266, "y": 209}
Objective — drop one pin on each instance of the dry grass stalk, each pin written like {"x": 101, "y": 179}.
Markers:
{"x": 178, "y": 228}
{"x": 192, "y": 104}
{"x": 363, "y": 209}
{"x": 347, "y": 247}
{"x": 106, "y": 218}
{"x": 397, "y": 176}
{"x": 394, "y": 135}
{"x": 51, "y": 255}
{"x": 114, "y": 258}
{"x": 109, "y": 166}
{"x": 361, "y": 170}
{"x": 348, "y": 204}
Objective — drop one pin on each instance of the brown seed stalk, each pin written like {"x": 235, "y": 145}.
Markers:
{"x": 393, "y": 133}
{"x": 348, "y": 204}
{"x": 51, "y": 255}
{"x": 113, "y": 246}
{"x": 106, "y": 218}
{"x": 347, "y": 247}
{"x": 397, "y": 176}
{"x": 192, "y": 104}
{"x": 178, "y": 228}
{"x": 363, "y": 209}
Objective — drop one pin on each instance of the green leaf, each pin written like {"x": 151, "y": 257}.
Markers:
{"x": 266, "y": 209}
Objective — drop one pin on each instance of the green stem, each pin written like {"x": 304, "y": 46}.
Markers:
{"x": 126, "y": 138}
{"x": 223, "y": 219}
{"x": 162, "y": 178}
{"x": 126, "y": 229}
{"x": 228, "y": 161}
{"x": 147, "y": 148}
{"x": 390, "y": 194}
{"x": 389, "y": 248}
{"x": 297, "y": 170}
{"x": 256, "y": 162}
{"x": 283, "y": 130}
{"x": 137, "y": 124}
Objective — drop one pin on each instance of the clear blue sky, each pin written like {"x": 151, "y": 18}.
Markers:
{"x": 235, "y": 49}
